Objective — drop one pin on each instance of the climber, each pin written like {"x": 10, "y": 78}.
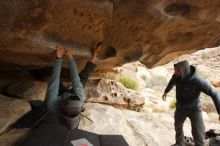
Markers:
{"x": 188, "y": 88}
{"x": 67, "y": 103}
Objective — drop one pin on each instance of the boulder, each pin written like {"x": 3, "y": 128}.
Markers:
{"x": 27, "y": 89}
{"x": 11, "y": 110}
{"x": 208, "y": 105}
{"x": 216, "y": 83}
{"x": 153, "y": 32}
{"x": 13, "y": 137}
{"x": 9, "y": 76}
{"x": 113, "y": 93}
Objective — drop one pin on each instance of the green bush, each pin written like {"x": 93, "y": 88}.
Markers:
{"x": 173, "y": 104}
{"x": 128, "y": 83}
{"x": 157, "y": 82}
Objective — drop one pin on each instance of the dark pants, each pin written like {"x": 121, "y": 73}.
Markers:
{"x": 198, "y": 129}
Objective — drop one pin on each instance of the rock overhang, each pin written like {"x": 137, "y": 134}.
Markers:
{"x": 153, "y": 32}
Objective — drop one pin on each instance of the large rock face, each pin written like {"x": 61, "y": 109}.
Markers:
{"x": 11, "y": 111}
{"x": 113, "y": 93}
{"x": 153, "y": 32}
{"x": 138, "y": 128}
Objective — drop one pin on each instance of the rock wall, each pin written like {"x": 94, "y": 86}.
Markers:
{"x": 111, "y": 92}
{"x": 153, "y": 31}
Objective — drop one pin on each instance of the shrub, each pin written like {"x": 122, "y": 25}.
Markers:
{"x": 128, "y": 83}
{"x": 157, "y": 82}
{"x": 173, "y": 104}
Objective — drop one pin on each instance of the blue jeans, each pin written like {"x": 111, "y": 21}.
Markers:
{"x": 52, "y": 98}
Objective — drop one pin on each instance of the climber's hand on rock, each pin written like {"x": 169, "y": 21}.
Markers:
{"x": 60, "y": 52}
{"x": 69, "y": 53}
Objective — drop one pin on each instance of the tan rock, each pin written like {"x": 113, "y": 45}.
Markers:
{"x": 27, "y": 89}
{"x": 11, "y": 110}
{"x": 138, "y": 128}
{"x": 213, "y": 117}
{"x": 13, "y": 137}
{"x": 208, "y": 105}
{"x": 153, "y": 32}
{"x": 9, "y": 76}
{"x": 113, "y": 93}
{"x": 215, "y": 83}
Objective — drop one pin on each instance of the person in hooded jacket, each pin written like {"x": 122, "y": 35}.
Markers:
{"x": 67, "y": 104}
{"x": 188, "y": 88}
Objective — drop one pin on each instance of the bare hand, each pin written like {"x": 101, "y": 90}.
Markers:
{"x": 60, "y": 52}
{"x": 219, "y": 118}
{"x": 69, "y": 53}
{"x": 164, "y": 96}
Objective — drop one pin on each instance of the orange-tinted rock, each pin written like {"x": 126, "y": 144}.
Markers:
{"x": 153, "y": 32}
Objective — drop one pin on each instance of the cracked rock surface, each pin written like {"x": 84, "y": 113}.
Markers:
{"x": 153, "y": 32}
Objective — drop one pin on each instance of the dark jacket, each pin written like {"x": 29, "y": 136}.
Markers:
{"x": 189, "y": 87}
{"x": 86, "y": 72}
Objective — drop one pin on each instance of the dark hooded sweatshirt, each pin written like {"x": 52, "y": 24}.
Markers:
{"x": 189, "y": 86}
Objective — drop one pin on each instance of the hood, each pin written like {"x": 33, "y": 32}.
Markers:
{"x": 187, "y": 71}
{"x": 184, "y": 67}
{"x": 193, "y": 73}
